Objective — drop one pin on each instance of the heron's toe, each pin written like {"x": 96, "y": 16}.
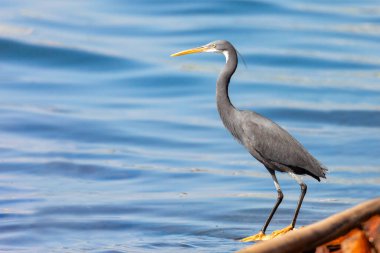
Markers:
{"x": 280, "y": 232}
{"x": 257, "y": 237}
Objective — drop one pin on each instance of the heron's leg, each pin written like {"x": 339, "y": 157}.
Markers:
{"x": 261, "y": 235}
{"x": 302, "y": 195}
{"x": 292, "y": 225}
{"x": 280, "y": 196}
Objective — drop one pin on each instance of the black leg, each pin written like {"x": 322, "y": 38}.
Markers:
{"x": 280, "y": 196}
{"x": 302, "y": 195}
{"x": 303, "y": 192}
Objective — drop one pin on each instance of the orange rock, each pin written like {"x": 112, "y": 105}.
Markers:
{"x": 372, "y": 230}
{"x": 332, "y": 246}
{"x": 356, "y": 242}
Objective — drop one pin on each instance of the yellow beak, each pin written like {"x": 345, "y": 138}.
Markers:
{"x": 190, "y": 51}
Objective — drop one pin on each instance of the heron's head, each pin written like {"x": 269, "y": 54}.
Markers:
{"x": 219, "y": 46}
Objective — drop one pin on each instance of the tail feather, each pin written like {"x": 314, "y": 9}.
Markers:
{"x": 302, "y": 171}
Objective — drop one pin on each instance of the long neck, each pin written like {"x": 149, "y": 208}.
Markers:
{"x": 225, "y": 108}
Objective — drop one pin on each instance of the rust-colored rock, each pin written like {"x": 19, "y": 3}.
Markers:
{"x": 372, "y": 231}
{"x": 356, "y": 230}
{"x": 356, "y": 242}
{"x": 333, "y": 246}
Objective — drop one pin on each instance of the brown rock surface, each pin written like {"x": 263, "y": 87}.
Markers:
{"x": 356, "y": 230}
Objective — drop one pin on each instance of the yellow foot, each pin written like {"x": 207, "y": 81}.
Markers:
{"x": 257, "y": 237}
{"x": 263, "y": 237}
{"x": 281, "y": 232}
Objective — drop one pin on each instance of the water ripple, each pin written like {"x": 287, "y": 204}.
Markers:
{"x": 110, "y": 145}
{"x": 52, "y": 56}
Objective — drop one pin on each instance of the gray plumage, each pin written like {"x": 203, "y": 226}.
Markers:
{"x": 269, "y": 143}
{"x": 265, "y": 140}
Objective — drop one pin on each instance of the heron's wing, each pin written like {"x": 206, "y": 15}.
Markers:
{"x": 276, "y": 145}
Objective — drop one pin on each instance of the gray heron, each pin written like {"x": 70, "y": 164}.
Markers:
{"x": 265, "y": 140}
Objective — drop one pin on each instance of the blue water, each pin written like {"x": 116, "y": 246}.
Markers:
{"x": 109, "y": 145}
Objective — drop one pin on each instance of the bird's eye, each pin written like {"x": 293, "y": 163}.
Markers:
{"x": 214, "y": 45}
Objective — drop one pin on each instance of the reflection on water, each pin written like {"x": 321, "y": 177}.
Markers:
{"x": 109, "y": 145}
